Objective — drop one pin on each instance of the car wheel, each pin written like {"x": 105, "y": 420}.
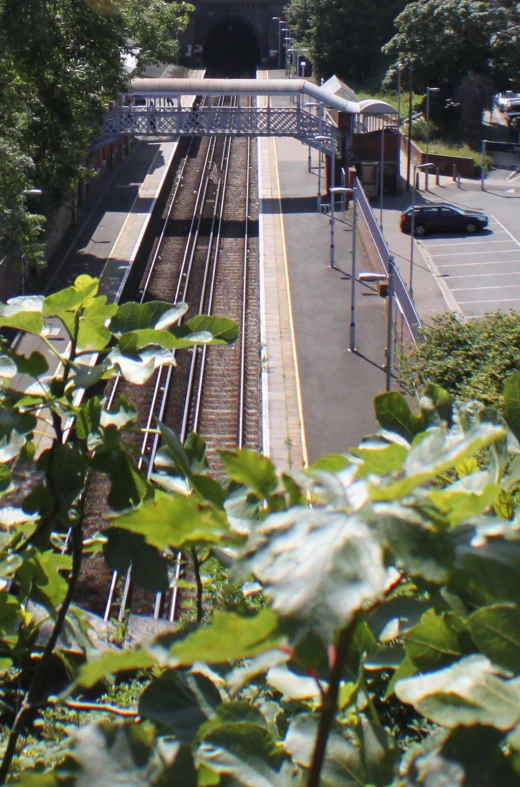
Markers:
{"x": 471, "y": 227}
{"x": 420, "y": 229}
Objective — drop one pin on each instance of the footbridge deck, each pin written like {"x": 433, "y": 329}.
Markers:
{"x": 163, "y": 115}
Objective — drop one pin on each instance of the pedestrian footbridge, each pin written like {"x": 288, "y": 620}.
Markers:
{"x": 153, "y": 108}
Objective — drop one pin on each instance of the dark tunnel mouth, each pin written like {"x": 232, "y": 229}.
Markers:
{"x": 231, "y": 46}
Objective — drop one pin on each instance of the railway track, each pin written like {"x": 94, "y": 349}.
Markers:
{"x": 206, "y": 254}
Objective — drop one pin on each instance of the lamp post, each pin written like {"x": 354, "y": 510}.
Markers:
{"x": 352, "y": 346}
{"x": 428, "y": 91}
{"x": 309, "y": 161}
{"x": 381, "y": 182}
{"x": 27, "y": 193}
{"x": 388, "y": 280}
{"x": 333, "y": 191}
{"x": 321, "y": 138}
{"x": 412, "y": 222}
{"x": 399, "y": 69}
{"x": 280, "y": 23}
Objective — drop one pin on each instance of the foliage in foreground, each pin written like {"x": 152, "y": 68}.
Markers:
{"x": 470, "y": 358}
{"x": 390, "y": 577}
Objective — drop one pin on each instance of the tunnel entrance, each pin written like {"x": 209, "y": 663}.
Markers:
{"x": 232, "y": 48}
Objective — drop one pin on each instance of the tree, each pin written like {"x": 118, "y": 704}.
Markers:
{"x": 344, "y": 38}
{"x": 458, "y": 45}
{"x": 61, "y": 62}
{"x": 388, "y": 580}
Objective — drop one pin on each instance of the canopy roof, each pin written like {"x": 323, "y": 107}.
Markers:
{"x": 256, "y": 87}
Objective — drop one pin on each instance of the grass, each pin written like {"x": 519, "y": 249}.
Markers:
{"x": 445, "y": 149}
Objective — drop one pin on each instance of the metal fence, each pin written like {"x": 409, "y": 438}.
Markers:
{"x": 404, "y": 302}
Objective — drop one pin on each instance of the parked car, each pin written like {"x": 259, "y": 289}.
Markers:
{"x": 502, "y": 100}
{"x": 442, "y": 217}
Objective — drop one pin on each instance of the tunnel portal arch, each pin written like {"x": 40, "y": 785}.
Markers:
{"x": 231, "y": 46}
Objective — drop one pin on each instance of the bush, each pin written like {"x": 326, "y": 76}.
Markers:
{"x": 423, "y": 130}
{"x": 470, "y": 359}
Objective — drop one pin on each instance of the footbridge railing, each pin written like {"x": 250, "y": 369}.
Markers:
{"x": 237, "y": 121}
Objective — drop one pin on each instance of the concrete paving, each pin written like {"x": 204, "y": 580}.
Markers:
{"x": 336, "y": 387}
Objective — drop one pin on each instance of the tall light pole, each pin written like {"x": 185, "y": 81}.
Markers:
{"x": 352, "y": 346}
{"x": 333, "y": 191}
{"x": 412, "y": 221}
{"x": 280, "y": 23}
{"x": 309, "y": 161}
{"x": 381, "y": 179}
{"x": 324, "y": 138}
{"x": 428, "y": 91}
{"x": 399, "y": 69}
{"x": 388, "y": 280}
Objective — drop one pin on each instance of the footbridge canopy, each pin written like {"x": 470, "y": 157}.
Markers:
{"x": 154, "y": 108}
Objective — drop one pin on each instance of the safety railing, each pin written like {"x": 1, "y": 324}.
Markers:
{"x": 402, "y": 297}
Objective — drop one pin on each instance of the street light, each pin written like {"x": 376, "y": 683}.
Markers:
{"x": 333, "y": 191}
{"x": 321, "y": 138}
{"x": 428, "y": 91}
{"x": 280, "y": 23}
{"x": 399, "y": 69}
{"x": 412, "y": 223}
{"x": 309, "y": 160}
{"x": 388, "y": 279}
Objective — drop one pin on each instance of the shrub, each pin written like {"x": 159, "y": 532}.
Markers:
{"x": 471, "y": 359}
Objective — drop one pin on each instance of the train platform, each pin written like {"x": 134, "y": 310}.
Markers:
{"x": 319, "y": 395}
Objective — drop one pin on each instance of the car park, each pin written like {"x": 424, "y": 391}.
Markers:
{"x": 442, "y": 217}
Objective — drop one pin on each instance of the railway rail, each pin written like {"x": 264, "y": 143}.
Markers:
{"x": 205, "y": 254}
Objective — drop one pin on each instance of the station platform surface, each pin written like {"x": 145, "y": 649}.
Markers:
{"x": 307, "y": 313}
{"x": 317, "y": 396}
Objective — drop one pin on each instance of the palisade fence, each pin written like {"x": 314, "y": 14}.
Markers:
{"x": 403, "y": 300}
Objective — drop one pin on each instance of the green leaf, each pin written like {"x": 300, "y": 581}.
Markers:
{"x": 244, "y": 751}
{"x": 23, "y": 313}
{"x": 342, "y": 765}
{"x": 121, "y": 414}
{"x": 14, "y": 429}
{"x": 382, "y": 460}
{"x": 149, "y": 567}
{"x": 318, "y": 566}
{"x": 435, "y": 397}
{"x": 140, "y": 316}
{"x": 437, "y": 641}
{"x": 378, "y": 752}
{"x": 433, "y": 454}
{"x": 181, "y": 702}
{"x": 177, "y": 521}
{"x": 222, "y": 330}
{"x": 112, "y": 662}
{"x": 139, "y": 367}
{"x": 511, "y": 407}
{"x": 471, "y": 691}
{"x": 127, "y": 485}
{"x": 459, "y": 506}
{"x": 291, "y": 685}
{"x": 394, "y": 617}
{"x": 393, "y": 414}
{"x": 331, "y": 463}
{"x": 34, "y": 366}
{"x": 70, "y": 298}
{"x": 248, "y": 468}
{"x": 495, "y": 630}
{"x": 9, "y": 612}
{"x": 230, "y": 636}
{"x": 106, "y": 754}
